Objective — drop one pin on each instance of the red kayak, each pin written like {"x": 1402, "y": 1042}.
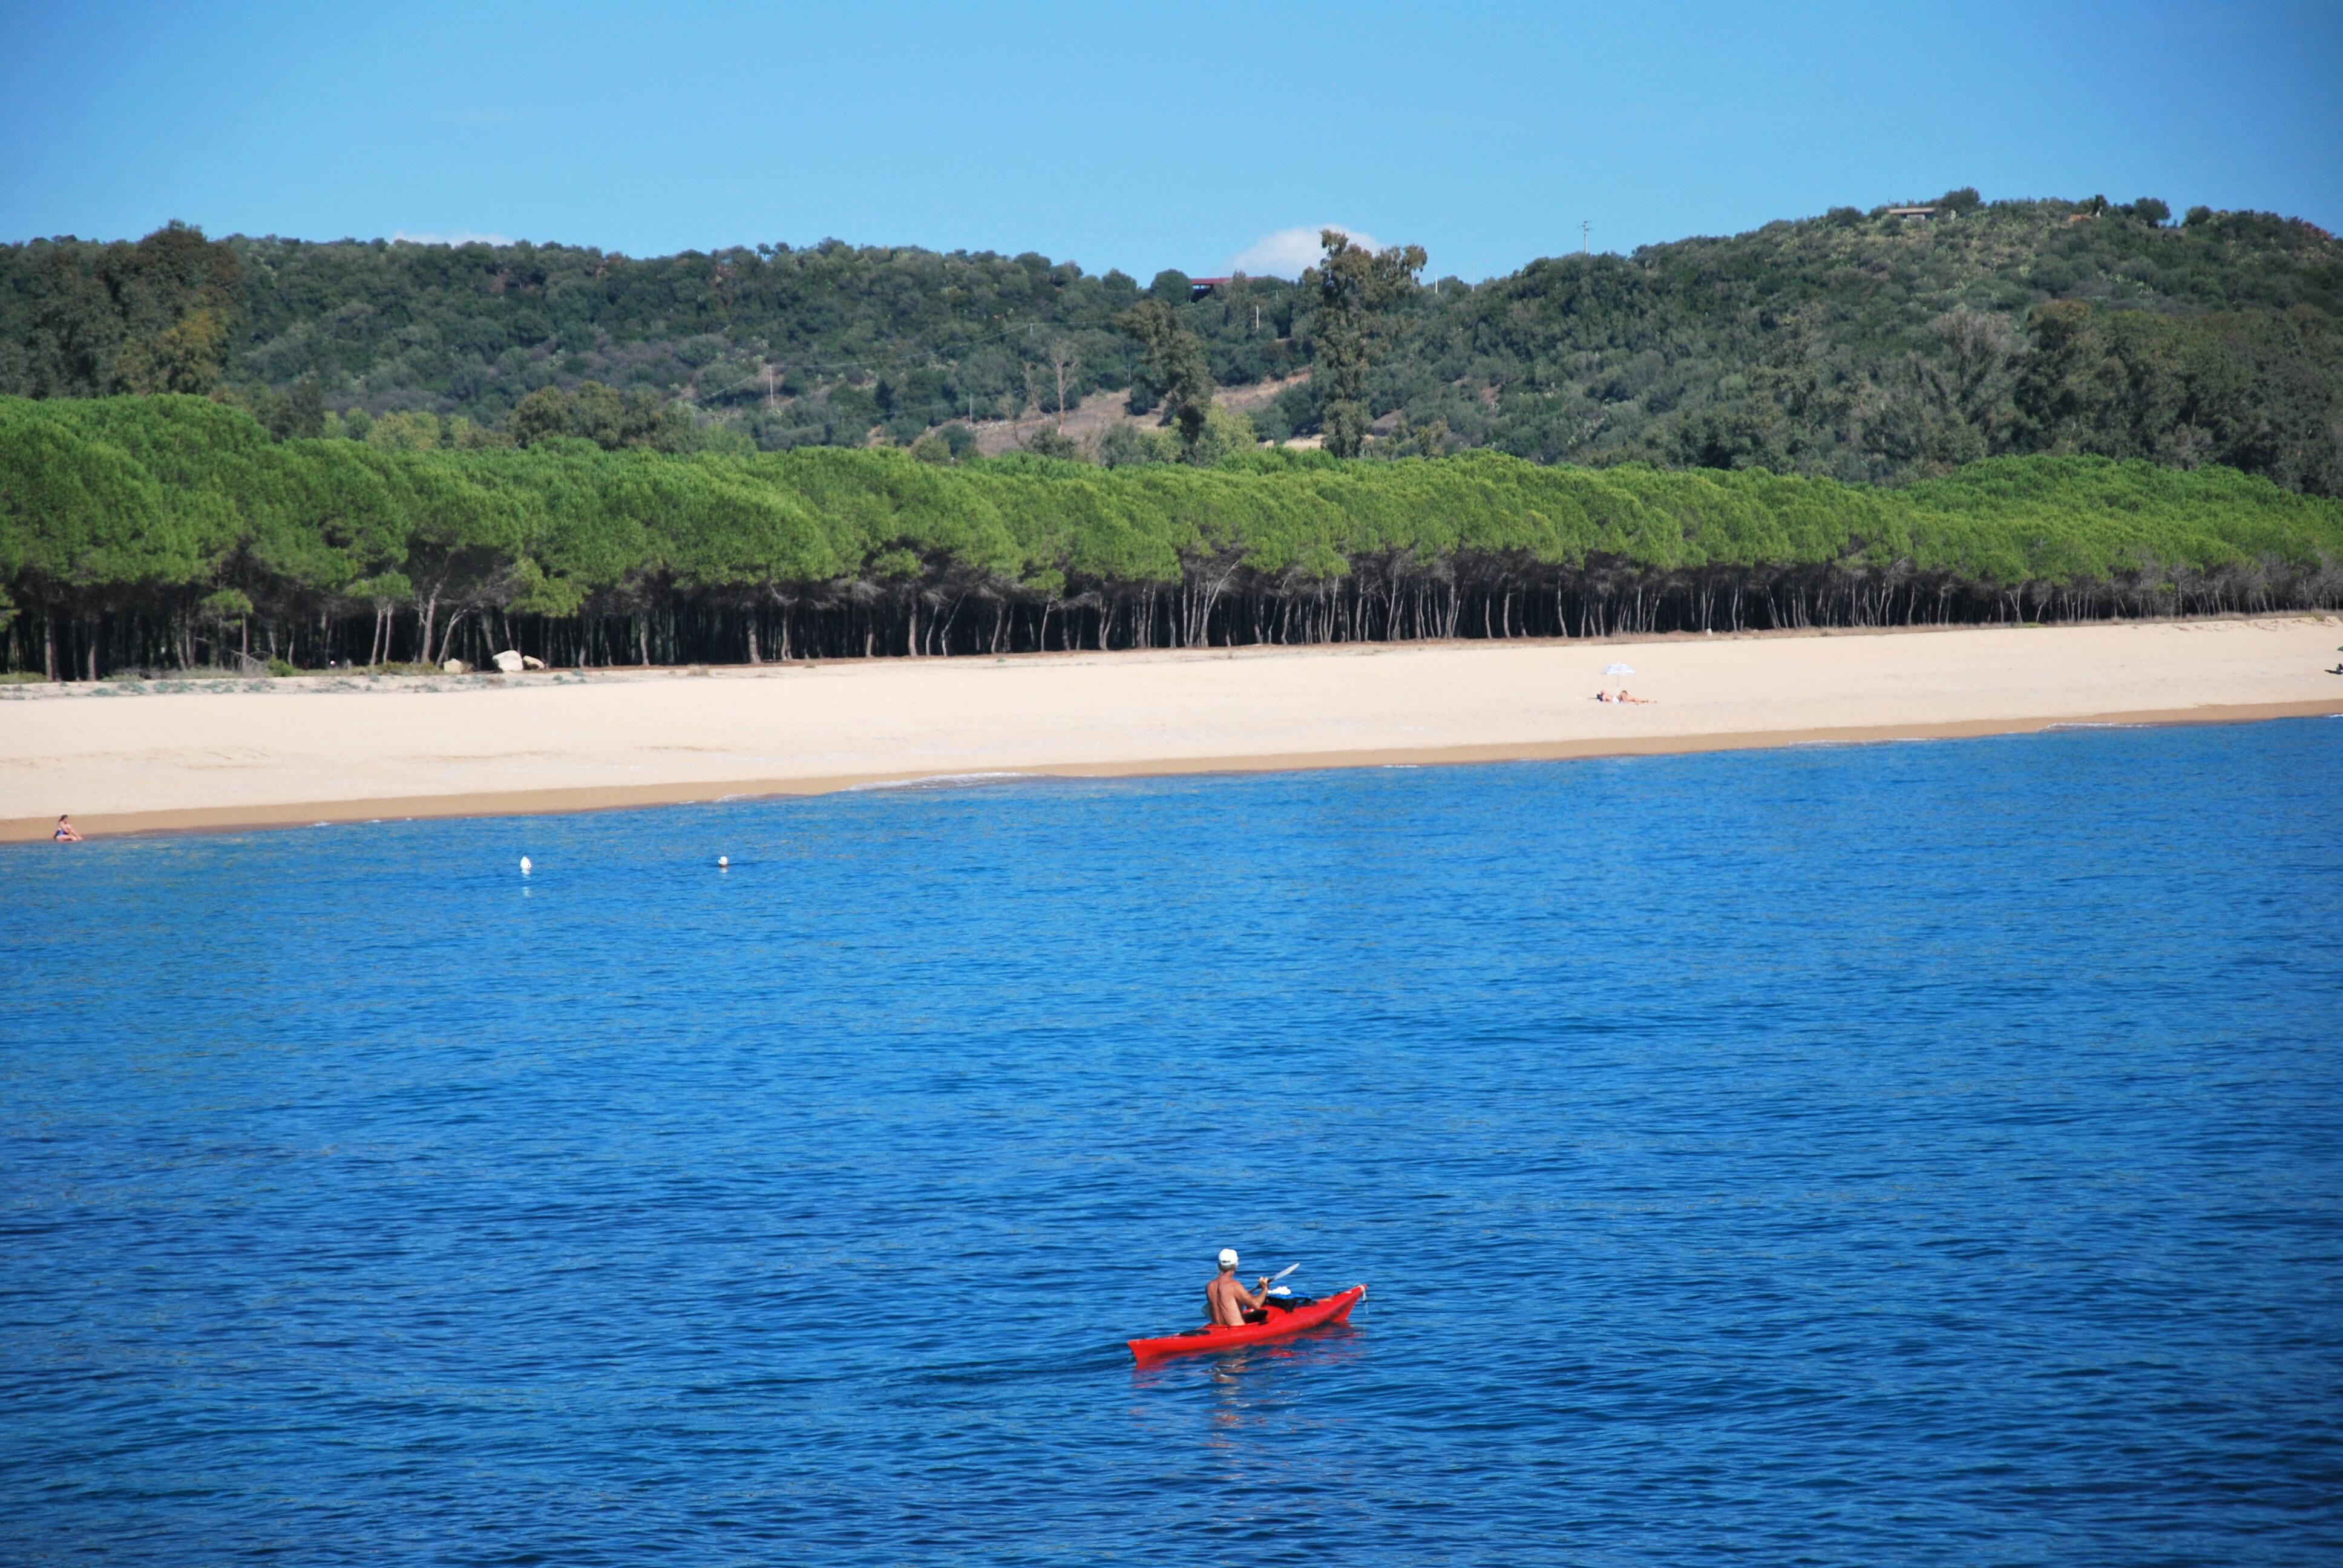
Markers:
{"x": 1285, "y": 1318}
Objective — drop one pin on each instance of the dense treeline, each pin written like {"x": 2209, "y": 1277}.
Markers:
{"x": 787, "y": 347}
{"x": 1878, "y": 348}
{"x": 1862, "y": 345}
{"x": 171, "y": 531}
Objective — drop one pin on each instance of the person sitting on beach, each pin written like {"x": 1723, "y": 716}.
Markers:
{"x": 1229, "y": 1303}
{"x": 67, "y": 833}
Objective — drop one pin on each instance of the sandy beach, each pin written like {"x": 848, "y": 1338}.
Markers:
{"x": 131, "y": 756}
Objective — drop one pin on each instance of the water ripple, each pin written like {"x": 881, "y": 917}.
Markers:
{"x": 1913, "y": 1154}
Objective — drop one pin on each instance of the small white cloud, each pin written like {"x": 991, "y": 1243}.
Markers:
{"x": 1288, "y": 251}
{"x": 461, "y": 237}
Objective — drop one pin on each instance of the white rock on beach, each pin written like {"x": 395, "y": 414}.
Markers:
{"x": 509, "y": 662}
{"x": 454, "y": 667}
{"x": 530, "y": 661}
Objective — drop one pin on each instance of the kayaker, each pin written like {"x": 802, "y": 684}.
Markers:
{"x": 1230, "y": 1303}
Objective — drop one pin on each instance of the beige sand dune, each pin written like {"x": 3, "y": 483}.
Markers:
{"x": 183, "y": 755}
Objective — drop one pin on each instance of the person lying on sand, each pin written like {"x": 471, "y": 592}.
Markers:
{"x": 1602, "y": 696}
{"x": 67, "y": 833}
{"x": 1230, "y": 1303}
{"x": 1625, "y": 698}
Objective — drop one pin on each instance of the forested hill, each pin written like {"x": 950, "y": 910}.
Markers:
{"x": 1858, "y": 345}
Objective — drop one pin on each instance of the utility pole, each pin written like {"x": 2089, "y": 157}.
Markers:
{"x": 1582, "y": 228}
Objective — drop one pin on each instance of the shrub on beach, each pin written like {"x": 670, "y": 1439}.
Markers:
{"x": 171, "y": 530}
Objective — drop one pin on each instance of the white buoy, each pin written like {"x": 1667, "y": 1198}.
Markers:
{"x": 524, "y": 865}
{"x": 723, "y": 862}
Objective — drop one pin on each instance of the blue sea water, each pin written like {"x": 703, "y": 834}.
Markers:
{"x": 1921, "y": 1153}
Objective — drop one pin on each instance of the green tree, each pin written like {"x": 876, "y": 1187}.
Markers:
{"x": 1050, "y": 442}
{"x": 541, "y": 416}
{"x": 1355, "y": 287}
{"x": 1227, "y": 433}
{"x": 226, "y": 608}
{"x": 407, "y": 432}
{"x": 304, "y": 414}
{"x": 611, "y": 419}
{"x": 180, "y": 297}
{"x": 2069, "y": 384}
{"x": 1174, "y": 367}
{"x": 185, "y": 356}
{"x": 2253, "y": 390}
{"x": 1121, "y": 445}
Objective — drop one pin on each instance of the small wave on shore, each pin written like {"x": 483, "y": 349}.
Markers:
{"x": 943, "y": 782}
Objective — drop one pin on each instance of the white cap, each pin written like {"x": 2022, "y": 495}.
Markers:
{"x": 1228, "y": 1257}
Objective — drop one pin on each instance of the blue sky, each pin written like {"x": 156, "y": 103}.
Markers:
{"x": 1141, "y": 137}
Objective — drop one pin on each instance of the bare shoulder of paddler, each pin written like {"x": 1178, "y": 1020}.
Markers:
{"x": 1227, "y": 1301}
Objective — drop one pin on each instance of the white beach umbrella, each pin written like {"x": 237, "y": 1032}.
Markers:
{"x": 1618, "y": 670}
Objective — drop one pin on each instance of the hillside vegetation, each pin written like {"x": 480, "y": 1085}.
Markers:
{"x": 1859, "y": 346}
{"x": 167, "y": 531}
